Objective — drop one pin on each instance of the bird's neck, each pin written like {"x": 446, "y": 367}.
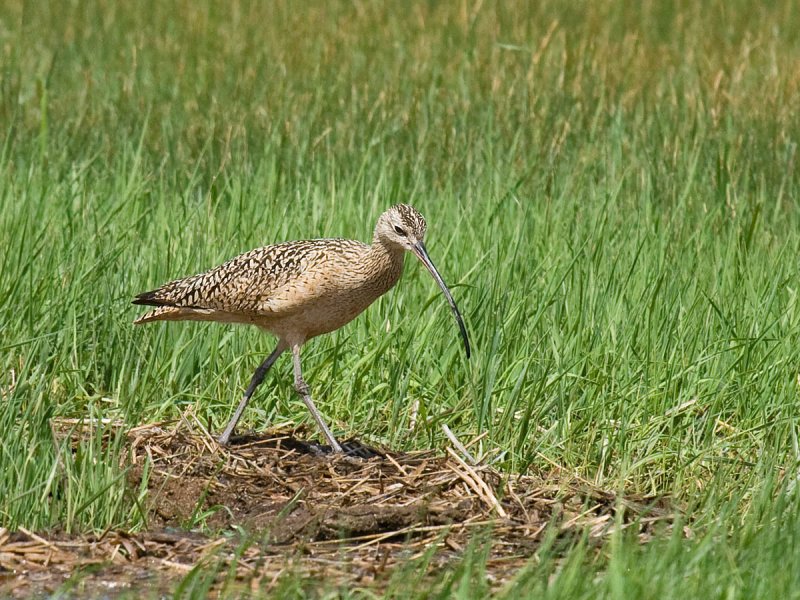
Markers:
{"x": 386, "y": 256}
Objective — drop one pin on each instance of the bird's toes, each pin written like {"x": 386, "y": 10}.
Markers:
{"x": 350, "y": 449}
{"x": 356, "y": 449}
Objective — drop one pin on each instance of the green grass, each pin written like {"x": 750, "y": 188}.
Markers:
{"x": 611, "y": 189}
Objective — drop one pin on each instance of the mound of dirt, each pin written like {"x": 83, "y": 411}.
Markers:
{"x": 348, "y": 519}
{"x": 290, "y": 490}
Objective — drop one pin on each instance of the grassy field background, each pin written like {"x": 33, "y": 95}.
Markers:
{"x": 611, "y": 189}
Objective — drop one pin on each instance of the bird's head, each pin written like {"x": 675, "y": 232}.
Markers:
{"x": 402, "y": 227}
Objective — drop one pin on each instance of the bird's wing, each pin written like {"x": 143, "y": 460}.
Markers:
{"x": 273, "y": 280}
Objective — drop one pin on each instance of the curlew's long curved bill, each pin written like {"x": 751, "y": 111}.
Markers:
{"x": 422, "y": 254}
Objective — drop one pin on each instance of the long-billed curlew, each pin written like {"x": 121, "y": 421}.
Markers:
{"x": 298, "y": 290}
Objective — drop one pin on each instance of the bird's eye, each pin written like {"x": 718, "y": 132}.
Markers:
{"x": 399, "y": 231}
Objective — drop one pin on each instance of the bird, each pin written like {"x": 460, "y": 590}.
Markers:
{"x": 299, "y": 290}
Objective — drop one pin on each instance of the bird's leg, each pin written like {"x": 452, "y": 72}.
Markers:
{"x": 258, "y": 377}
{"x": 302, "y": 388}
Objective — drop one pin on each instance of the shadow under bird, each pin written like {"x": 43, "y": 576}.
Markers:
{"x": 299, "y": 290}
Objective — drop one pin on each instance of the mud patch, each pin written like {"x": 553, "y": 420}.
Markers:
{"x": 347, "y": 520}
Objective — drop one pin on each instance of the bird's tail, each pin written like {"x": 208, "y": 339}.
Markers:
{"x": 163, "y": 313}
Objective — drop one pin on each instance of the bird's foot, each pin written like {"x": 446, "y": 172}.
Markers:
{"x": 351, "y": 448}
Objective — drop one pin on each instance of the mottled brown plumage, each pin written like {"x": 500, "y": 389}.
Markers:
{"x": 298, "y": 290}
